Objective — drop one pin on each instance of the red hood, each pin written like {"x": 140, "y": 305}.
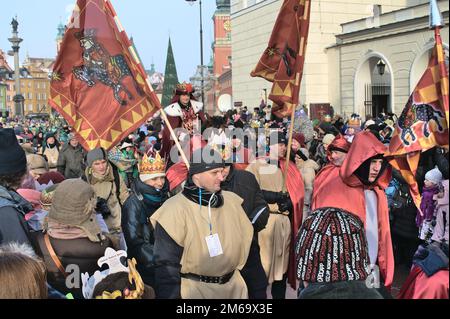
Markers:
{"x": 365, "y": 145}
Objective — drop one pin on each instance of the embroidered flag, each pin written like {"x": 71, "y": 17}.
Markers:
{"x": 98, "y": 83}
{"x": 423, "y": 123}
{"x": 282, "y": 62}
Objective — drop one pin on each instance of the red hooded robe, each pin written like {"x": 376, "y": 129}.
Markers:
{"x": 346, "y": 191}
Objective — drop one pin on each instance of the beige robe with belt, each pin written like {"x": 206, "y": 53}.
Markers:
{"x": 275, "y": 239}
{"x": 187, "y": 223}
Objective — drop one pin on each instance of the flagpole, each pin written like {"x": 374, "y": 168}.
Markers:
{"x": 147, "y": 82}
{"x": 289, "y": 146}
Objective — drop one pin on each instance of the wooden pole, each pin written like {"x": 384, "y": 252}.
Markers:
{"x": 289, "y": 146}
{"x": 174, "y": 137}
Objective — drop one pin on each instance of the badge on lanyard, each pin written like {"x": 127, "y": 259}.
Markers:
{"x": 214, "y": 245}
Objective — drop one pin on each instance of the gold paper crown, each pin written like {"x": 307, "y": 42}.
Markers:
{"x": 150, "y": 166}
{"x": 354, "y": 122}
{"x": 225, "y": 150}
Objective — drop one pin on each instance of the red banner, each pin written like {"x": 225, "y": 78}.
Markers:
{"x": 283, "y": 60}
{"x": 98, "y": 84}
{"x": 423, "y": 123}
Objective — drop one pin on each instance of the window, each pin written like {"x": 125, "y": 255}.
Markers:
{"x": 30, "y": 107}
{"x": 44, "y": 85}
{"x": 44, "y": 96}
{"x": 30, "y": 96}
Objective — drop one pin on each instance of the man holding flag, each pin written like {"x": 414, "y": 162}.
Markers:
{"x": 282, "y": 63}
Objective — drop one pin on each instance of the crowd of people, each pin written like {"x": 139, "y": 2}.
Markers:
{"x": 241, "y": 219}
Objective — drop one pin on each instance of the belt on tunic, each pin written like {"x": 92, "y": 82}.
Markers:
{"x": 209, "y": 279}
{"x": 280, "y": 213}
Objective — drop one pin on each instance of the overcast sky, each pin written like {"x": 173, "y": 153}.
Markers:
{"x": 149, "y": 22}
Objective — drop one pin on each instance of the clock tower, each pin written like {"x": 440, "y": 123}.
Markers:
{"x": 222, "y": 37}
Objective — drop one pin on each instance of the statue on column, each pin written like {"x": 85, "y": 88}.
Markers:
{"x": 14, "y": 24}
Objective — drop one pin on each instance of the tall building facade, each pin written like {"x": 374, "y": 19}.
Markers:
{"x": 253, "y": 21}
{"x": 221, "y": 55}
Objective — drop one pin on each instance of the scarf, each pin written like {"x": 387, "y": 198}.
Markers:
{"x": 201, "y": 196}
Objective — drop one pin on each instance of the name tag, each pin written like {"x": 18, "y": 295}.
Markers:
{"x": 214, "y": 246}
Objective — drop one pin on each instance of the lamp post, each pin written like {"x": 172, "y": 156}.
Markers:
{"x": 15, "y": 41}
{"x": 191, "y": 2}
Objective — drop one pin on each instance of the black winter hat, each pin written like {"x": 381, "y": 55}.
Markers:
{"x": 205, "y": 159}
{"x": 12, "y": 156}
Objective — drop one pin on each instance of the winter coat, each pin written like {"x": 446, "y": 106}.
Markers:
{"x": 402, "y": 208}
{"x": 245, "y": 185}
{"x": 440, "y": 233}
{"x": 13, "y": 208}
{"x": 71, "y": 161}
{"x": 144, "y": 200}
{"x": 106, "y": 188}
{"x": 81, "y": 252}
{"x": 344, "y": 190}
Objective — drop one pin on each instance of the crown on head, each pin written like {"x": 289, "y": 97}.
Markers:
{"x": 354, "y": 121}
{"x": 112, "y": 259}
{"x": 225, "y": 150}
{"x": 150, "y": 165}
{"x": 185, "y": 87}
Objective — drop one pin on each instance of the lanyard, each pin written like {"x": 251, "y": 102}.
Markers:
{"x": 209, "y": 208}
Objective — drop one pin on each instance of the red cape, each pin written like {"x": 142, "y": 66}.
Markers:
{"x": 419, "y": 286}
{"x": 296, "y": 189}
{"x": 339, "y": 187}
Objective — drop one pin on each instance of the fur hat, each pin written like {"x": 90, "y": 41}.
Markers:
{"x": 332, "y": 247}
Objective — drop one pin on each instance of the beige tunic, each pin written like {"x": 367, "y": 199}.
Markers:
{"x": 275, "y": 239}
{"x": 52, "y": 155}
{"x": 187, "y": 224}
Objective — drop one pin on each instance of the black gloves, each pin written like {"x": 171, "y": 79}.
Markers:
{"x": 285, "y": 203}
{"x": 102, "y": 207}
{"x": 281, "y": 199}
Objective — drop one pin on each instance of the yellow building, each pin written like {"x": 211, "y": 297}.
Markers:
{"x": 36, "y": 88}
{"x": 35, "y": 85}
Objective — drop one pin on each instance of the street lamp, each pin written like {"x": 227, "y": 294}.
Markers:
{"x": 191, "y": 2}
{"x": 15, "y": 41}
{"x": 381, "y": 66}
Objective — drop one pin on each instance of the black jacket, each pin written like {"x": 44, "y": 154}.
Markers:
{"x": 144, "y": 200}
{"x": 80, "y": 252}
{"x": 245, "y": 185}
{"x": 13, "y": 227}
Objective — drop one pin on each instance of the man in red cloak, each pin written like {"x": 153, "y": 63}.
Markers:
{"x": 359, "y": 188}
{"x": 184, "y": 112}
{"x": 336, "y": 153}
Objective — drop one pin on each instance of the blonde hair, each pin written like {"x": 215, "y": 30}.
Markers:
{"x": 22, "y": 274}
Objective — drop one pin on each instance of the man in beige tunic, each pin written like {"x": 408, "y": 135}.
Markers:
{"x": 275, "y": 239}
{"x": 202, "y": 237}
